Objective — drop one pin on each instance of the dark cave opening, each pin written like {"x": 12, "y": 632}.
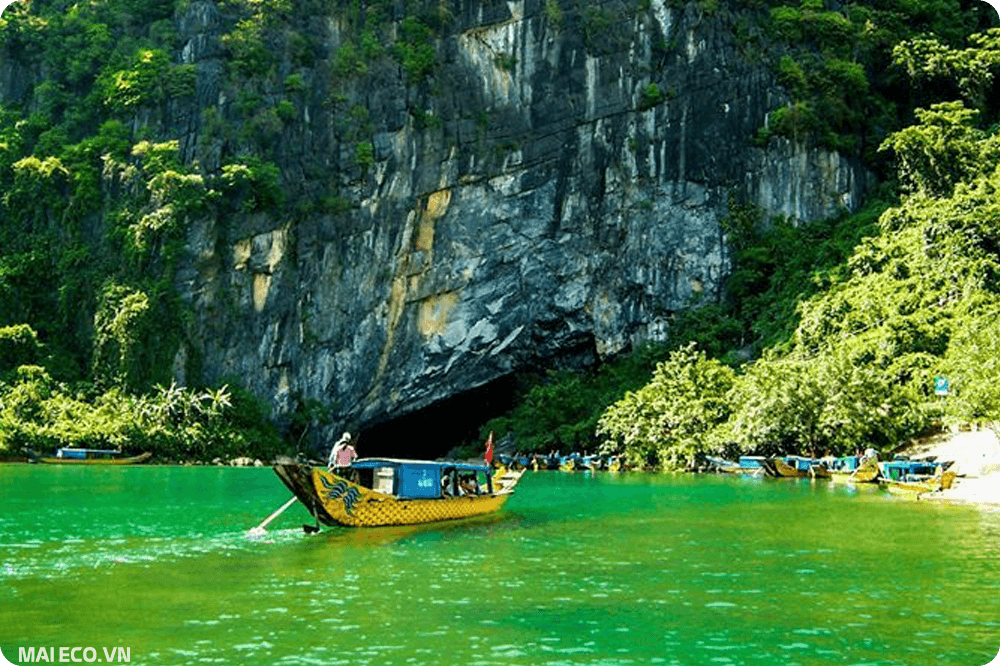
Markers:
{"x": 433, "y": 431}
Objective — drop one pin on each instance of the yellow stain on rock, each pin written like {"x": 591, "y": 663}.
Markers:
{"x": 434, "y": 313}
{"x": 261, "y": 287}
{"x": 437, "y": 206}
{"x": 241, "y": 253}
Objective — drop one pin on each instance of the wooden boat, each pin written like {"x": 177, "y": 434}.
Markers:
{"x": 819, "y": 470}
{"x": 852, "y": 469}
{"x": 752, "y": 465}
{"x": 68, "y": 456}
{"x": 787, "y": 467}
{"x": 915, "y": 477}
{"x": 388, "y": 491}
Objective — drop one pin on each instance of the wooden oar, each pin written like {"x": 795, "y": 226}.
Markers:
{"x": 257, "y": 531}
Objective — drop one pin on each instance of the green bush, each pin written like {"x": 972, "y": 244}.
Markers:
{"x": 415, "y": 49}
{"x": 651, "y": 96}
{"x": 173, "y": 423}
{"x": 252, "y": 185}
{"x": 18, "y": 346}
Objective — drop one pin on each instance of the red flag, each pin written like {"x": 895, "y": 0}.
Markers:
{"x": 489, "y": 448}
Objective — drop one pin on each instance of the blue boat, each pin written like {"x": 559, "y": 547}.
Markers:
{"x": 72, "y": 456}
{"x": 843, "y": 464}
{"x": 916, "y": 476}
{"x": 795, "y": 467}
{"x": 752, "y": 463}
{"x": 911, "y": 470}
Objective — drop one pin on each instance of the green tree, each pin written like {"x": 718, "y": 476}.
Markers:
{"x": 18, "y": 346}
{"x": 943, "y": 149}
{"x": 668, "y": 421}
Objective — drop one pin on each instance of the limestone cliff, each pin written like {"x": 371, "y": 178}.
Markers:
{"x": 552, "y": 186}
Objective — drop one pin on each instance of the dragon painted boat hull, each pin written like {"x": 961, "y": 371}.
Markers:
{"x": 334, "y": 500}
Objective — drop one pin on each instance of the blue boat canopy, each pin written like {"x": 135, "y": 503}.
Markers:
{"x": 900, "y": 469}
{"x": 83, "y": 453}
{"x": 418, "y": 479}
{"x": 373, "y": 463}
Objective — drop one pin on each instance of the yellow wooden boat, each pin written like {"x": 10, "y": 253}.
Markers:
{"x": 387, "y": 491}
{"x": 905, "y": 477}
{"x": 866, "y": 472}
{"x": 68, "y": 456}
{"x": 787, "y": 467}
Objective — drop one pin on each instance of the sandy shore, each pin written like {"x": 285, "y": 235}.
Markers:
{"x": 977, "y": 461}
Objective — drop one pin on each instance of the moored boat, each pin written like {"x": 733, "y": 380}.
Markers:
{"x": 915, "y": 477}
{"x": 71, "y": 456}
{"x": 722, "y": 465}
{"x": 854, "y": 469}
{"x": 818, "y": 469}
{"x": 567, "y": 464}
{"x": 787, "y": 467}
{"x": 388, "y": 491}
{"x": 752, "y": 464}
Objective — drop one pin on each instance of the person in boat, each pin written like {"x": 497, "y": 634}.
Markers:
{"x": 342, "y": 455}
{"x": 467, "y": 485}
{"x": 868, "y": 455}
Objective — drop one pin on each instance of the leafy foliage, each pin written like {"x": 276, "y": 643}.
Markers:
{"x": 671, "y": 418}
{"x": 173, "y": 423}
{"x": 18, "y": 346}
{"x": 836, "y": 61}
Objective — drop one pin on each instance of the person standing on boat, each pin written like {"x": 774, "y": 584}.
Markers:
{"x": 342, "y": 455}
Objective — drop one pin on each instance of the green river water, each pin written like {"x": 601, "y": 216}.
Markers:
{"x": 577, "y": 569}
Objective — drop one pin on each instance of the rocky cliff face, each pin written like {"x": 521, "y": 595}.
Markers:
{"x": 553, "y": 187}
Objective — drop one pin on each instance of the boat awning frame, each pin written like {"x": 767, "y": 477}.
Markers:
{"x": 374, "y": 463}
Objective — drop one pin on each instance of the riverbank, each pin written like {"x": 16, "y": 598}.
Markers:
{"x": 976, "y": 456}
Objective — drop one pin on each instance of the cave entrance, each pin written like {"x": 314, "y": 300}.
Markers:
{"x": 433, "y": 431}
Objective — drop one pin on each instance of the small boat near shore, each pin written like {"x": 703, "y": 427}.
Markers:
{"x": 71, "y": 456}
{"x": 794, "y": 467}
{"x": 916, "y": 477}
{"x": 376, "y": 492}
{"x": 747, "y": 465}
{"x": 855, "y": 469}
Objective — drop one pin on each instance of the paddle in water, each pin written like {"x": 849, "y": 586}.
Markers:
{"x": 259, "y": 530}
